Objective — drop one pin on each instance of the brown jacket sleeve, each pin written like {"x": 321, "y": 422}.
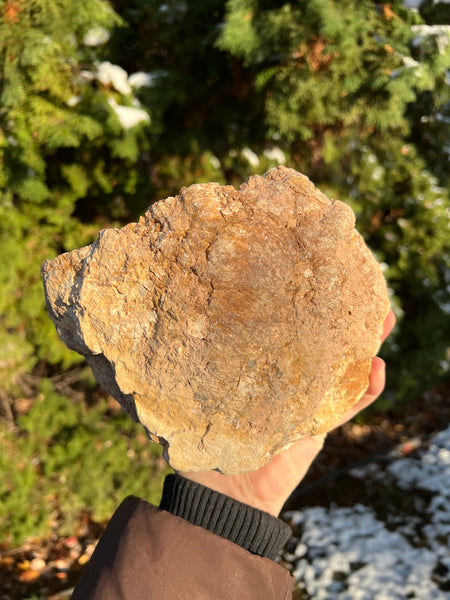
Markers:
{"x": 147, "y": 553}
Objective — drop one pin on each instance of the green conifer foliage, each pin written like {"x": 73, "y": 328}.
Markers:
{"x": 71, "y": 137}
{"x": 69, "y": 459}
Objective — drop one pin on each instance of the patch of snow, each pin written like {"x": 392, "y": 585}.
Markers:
{"x": 87, "y": 75}
{"x": 350, "y": 555}
{"x": 128, "y": 116}
{"x": 142, "y": 79}
{"x": 377, "y": 173}
{"x": 275, "y": 153}
{"x": 347, "y": 553}
{"x": 432, "y": 472}
{"x": 410, "y": 62}
{"x": 440, "y": 32}
{"x": 73, "y": 101}
{"x": 371, "y": 158}
{"x": 390, "y": 236}
{"x": 173, "y": 11}
{"x": 110, "y": 74}
{"x": 215, "y": 162}
{"x": 250, "y": 157}
{"x": 412, "y": 3}
{"x": 96, "y": 36}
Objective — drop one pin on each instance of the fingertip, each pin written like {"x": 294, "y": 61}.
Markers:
{"x": 377, "y": 377}
{"x": 378, "y": 364}
{"x": 388, "y": 324}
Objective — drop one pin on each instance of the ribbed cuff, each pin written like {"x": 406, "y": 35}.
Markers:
{"x": 257, "y": 531}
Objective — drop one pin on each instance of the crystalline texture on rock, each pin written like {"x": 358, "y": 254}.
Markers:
{"x": 230, "y": 323}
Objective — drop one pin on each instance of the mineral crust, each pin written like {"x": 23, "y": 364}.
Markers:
{"x": 230, "y": 323}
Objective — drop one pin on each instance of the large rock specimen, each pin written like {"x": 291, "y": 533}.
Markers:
{"x": 229, "y": 323}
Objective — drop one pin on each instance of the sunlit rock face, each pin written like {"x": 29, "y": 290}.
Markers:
{"x": 230, "y": 323}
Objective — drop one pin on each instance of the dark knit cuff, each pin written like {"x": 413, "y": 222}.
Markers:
{"x": 257, "y": 531}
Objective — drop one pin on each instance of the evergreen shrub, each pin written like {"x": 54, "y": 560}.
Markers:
{"x": 68, "y": 458}
{"x": 106, "y": 107}
{"x": 69, "y": 131}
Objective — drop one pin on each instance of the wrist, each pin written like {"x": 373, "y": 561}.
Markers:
{"x": 254, "y": 530}
{"x": 233, "y": 486}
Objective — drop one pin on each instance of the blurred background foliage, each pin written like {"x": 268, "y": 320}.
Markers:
{"x": 106, "y": 107}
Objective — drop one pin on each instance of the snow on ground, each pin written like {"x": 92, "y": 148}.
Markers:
{"x": 349, "y": 553}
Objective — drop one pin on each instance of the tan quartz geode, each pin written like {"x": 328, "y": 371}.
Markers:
{"x": 229, "y": 323}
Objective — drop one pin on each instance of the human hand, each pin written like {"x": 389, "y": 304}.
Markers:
{"x": 268, "y": 488}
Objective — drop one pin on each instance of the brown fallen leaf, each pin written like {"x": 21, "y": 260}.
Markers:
{"x": 29, "y": 575}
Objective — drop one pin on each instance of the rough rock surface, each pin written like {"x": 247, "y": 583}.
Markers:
{"x": 230, "y": 323}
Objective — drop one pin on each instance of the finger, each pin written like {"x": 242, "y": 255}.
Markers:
{"x": 388, "y": 325}
{"x": 376, "y": 385}
{"x": 377, "y": 378}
